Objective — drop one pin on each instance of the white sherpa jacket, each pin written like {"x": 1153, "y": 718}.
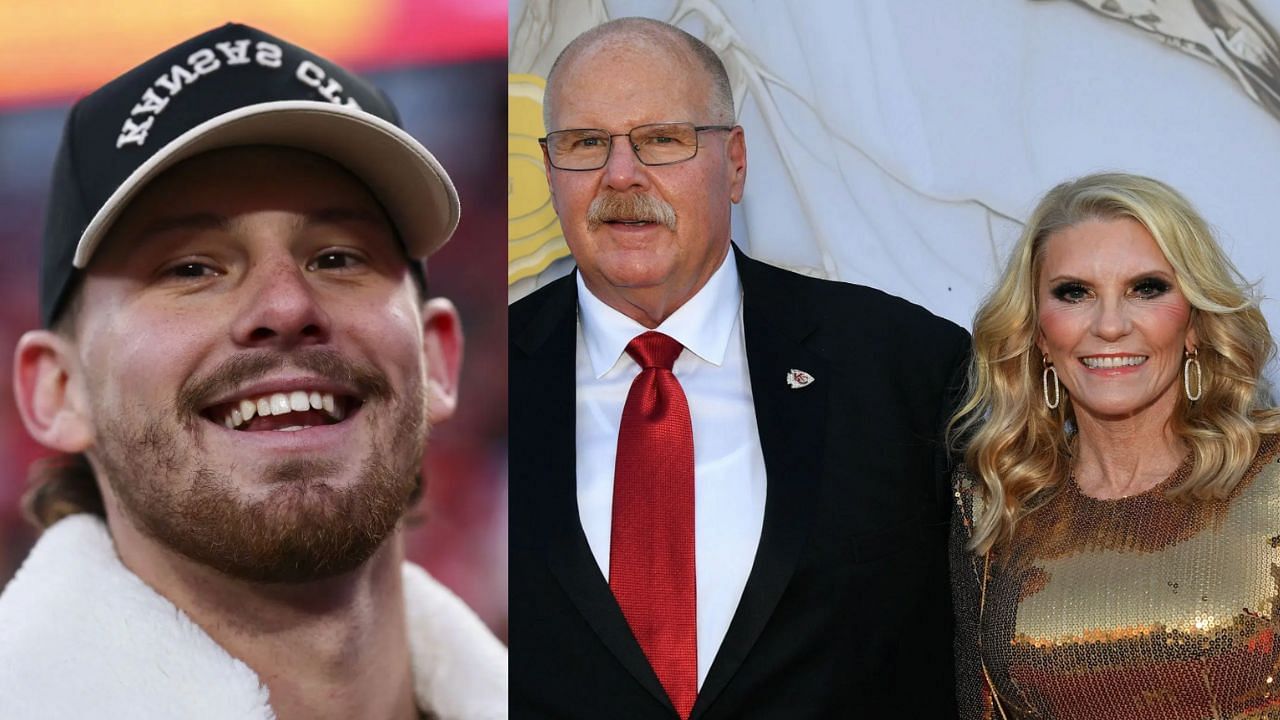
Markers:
{"x": 82, "y": 637}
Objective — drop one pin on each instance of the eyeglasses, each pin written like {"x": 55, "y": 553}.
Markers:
{"x": 655, "y": 144}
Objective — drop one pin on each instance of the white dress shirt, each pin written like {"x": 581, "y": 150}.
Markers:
{"x": 729, "y": 474}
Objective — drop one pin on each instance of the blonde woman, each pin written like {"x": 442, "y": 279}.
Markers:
{"x": 1116, "y": 544}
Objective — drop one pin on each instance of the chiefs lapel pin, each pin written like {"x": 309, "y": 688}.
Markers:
{"x": 797, "y": 379}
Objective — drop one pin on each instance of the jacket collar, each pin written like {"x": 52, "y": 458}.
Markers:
{"x": 82, "y": 636}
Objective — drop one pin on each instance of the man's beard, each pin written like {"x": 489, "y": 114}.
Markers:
{"x": 303, "y": 528}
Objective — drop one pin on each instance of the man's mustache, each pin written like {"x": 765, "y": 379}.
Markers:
{"x": 369, "y": 382}
{"x": 630, "y": 207}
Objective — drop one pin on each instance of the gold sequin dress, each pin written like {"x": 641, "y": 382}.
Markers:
{"x": 1131, "y": 609}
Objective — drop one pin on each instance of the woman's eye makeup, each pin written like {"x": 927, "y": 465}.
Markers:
{"x": 1075, "y": 291}
{"x": 1070, "y": 291}
{"x": 1151, "y": 287}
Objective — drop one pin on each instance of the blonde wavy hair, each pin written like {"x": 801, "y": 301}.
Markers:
{"x": 1020, "y": 449}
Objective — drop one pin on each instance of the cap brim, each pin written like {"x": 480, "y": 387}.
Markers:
{"x": 405, "y": 178}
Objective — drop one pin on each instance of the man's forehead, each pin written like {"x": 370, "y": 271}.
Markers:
{"x": 641, "y": 53}
{"x": 164, "y": 222}
{"x": 214, "y": 190}
{"x": 607, "y": 79}
{"x": 254, "y": 177}
{"x": 651, "y": 39}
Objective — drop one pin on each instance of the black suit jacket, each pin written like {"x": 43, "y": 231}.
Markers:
{"x": 846, "y": 612}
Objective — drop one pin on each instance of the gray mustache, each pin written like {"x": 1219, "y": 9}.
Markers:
{"x": 630, "y": 207}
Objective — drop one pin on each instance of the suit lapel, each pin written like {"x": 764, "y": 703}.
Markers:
{"x": 792, "y": 425}
{"x": 550, "y": 343}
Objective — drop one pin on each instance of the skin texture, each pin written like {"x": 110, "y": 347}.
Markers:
{"x": 645, "y": 272}
{"x": 1105, "y": 289}
{"x": 245, "y": 271}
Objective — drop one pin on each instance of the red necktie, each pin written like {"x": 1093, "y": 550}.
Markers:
{"x": 651, "y": 561}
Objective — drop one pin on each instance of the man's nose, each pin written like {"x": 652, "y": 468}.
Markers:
{"x": 280, "y": 308}
{"x": 623, "y": 170}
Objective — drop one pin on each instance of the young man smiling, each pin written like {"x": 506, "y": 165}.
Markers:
{"x": 240, "y": 352}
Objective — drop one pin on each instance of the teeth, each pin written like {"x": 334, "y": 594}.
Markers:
{"x": 1114, "y": 362}
{"x": 281, "y": 404}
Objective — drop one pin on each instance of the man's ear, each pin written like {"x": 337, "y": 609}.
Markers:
{"x": 442, "y": 346}
{"x": 50, "y": 392}
{"x": 737, "y": 163}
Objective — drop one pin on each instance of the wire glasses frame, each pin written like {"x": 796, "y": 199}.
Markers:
{"x": 654, "y": 144}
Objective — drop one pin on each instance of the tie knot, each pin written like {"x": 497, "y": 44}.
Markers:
{"x": 654, "y": 350}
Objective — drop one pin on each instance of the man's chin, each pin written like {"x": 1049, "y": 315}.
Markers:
{"x": 260, "y": 519}
{"x": 309, "y": 525}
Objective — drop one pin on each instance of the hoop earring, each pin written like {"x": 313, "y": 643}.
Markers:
{"x": 1187, "y": 365}
{"x": 1057, "y": 389}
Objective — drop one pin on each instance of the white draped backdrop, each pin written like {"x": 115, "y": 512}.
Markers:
{"x": 900, "y": 143}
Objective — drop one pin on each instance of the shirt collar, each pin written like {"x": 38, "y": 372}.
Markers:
{"x": 703, "y": 324}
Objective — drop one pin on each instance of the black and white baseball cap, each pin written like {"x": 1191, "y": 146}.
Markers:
{"x": 229, "y": 87}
